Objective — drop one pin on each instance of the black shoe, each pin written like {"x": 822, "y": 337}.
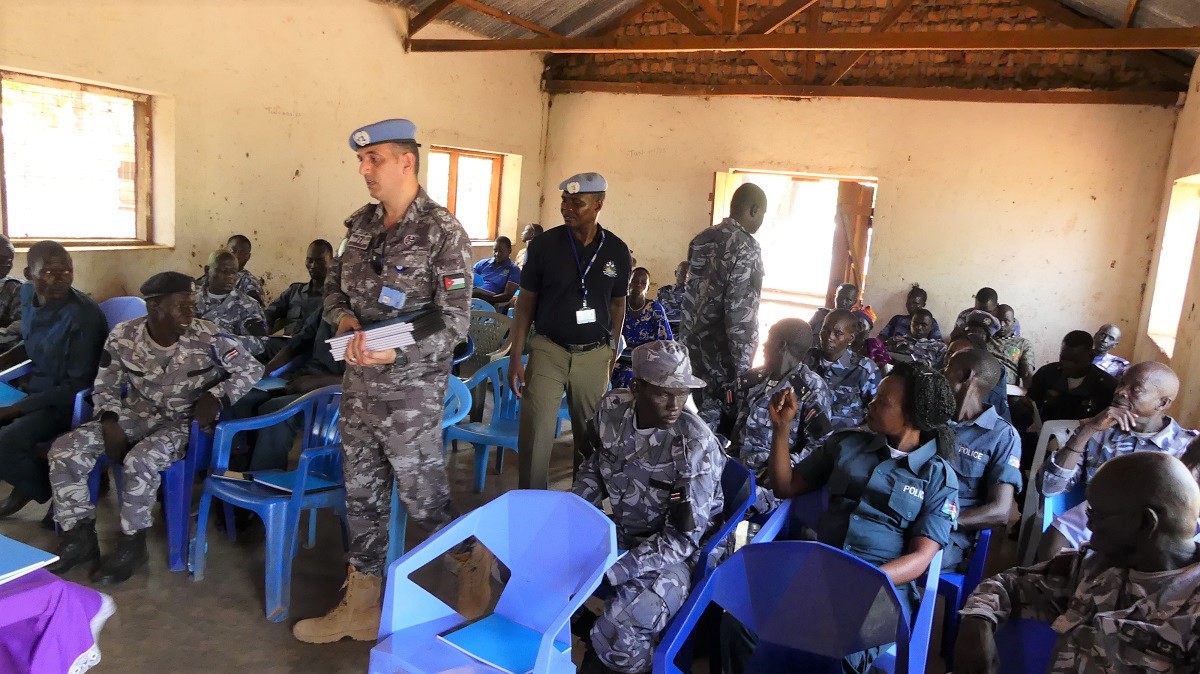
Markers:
{"x": 592, "y": 665}
{"x": 105, "y": 482}
{"x": 48, "y": 519}
{"x": 120, "y": 565}
{"x": 13, "y": 504}
{"x": 78, "y": 545}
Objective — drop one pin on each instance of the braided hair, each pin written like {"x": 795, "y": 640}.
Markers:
{"x": 928, "y": 403}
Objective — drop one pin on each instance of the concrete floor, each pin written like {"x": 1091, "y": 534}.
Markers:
{"x": 165, "y": 622}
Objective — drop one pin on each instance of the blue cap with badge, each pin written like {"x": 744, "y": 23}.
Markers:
{"x": 584, "y": 183}
{"x": 387, "y": 131}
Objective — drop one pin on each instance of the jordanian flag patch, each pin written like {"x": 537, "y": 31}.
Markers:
{"x": 455, "y": 281}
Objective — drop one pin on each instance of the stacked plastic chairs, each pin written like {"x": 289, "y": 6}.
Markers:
{"x": 320, "y": 457}
{"x": 500, "y": 431}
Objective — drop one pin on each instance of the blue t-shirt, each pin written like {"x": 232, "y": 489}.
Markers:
{"x": 493, "y": 278}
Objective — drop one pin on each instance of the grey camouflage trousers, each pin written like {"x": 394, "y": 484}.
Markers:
{"x": 384, "y": 440}
{"x": 627, "y": 631}
{"x": 155, "y": 445}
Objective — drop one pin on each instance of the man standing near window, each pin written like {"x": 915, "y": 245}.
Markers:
{"x": 573, "y": 293}
{"x": 403, "y": 254}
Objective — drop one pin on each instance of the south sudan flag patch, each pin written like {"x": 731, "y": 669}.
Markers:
{"x": 455, "y": 281}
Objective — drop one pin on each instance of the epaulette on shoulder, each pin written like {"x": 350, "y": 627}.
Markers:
{"x": 355, "y": 215}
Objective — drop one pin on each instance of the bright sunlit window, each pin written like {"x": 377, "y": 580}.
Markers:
{"x": 1174, "y": 262}
{"x": 75, "y": 159}
{"x": 468, "y": 184}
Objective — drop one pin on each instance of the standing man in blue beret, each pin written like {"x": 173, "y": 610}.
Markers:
{"x": 401, "y": 255}
{"x": 573, "y": 291}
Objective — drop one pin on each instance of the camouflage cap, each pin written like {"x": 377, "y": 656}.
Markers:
{"x": 666, "y": 364}
{"x": 167, "y": 283}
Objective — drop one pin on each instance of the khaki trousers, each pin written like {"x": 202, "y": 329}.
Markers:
{"x": 552, "y": 370}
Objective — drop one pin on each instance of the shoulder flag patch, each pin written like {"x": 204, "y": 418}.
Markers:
{"x": 950, "y": 507}
{"x": 456, "y": 281}
{"x": 229, "y": 355}
{"x": 1014, "y": 460}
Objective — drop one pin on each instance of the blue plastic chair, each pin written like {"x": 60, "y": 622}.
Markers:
{"x": 176, "y": 482}
{"x": 1053, "y": 506}
{"x": 737, "y": 486}
{"x": 793, "y": 514}
{"x": 557, "y": 547}
{"x": 1025, "y": 646}
{"x": 809, "y": 605}
{"x": 457, "y": 406}
{"x": 478, "y": 304}
{"x": 320, "y": 456}
{"x": 500, "y": 431}
{"x": 955, "y": 588}
{"x": 466, "y": 353}
{"x": 120, "y": 309}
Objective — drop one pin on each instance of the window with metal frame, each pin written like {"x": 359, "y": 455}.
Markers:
{"x": 467, "y": 183}
{"x": 74, "y": 162}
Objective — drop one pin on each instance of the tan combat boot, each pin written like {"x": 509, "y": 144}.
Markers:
{"x": 356, "y": 616}
{"x": 474, "y": 581}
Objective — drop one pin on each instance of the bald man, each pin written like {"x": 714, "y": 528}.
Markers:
{"x": 1137, "y": 421}
{"x": 1106, "y": 339}
{"x": 1130, "y": 603}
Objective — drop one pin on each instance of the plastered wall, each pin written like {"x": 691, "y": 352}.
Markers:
{"x": 1053, "y": 205}
{"x": 1184, "y": 162}
{"x": 265, "y": 95}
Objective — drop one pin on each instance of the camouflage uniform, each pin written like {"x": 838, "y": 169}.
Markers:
{"x": 10, "y": 311}
{"x": 852, "y": 380}
{"x": 391, "y": 414}
{"x": 251, "y": 286}
{"x": 154, "y": 407}
{"x": 1109, "y": 620}
{"x": 720, "y": 312}
{"x": 671, "y": 299}
{"x": 295, "y": 305}
{"x": 932, "y": 352}
{"x": 639, "y": 473}
{"x": 1172, "y": 439}
{"x": 1114, "y": 365}
{"x": 751, "y": 442}
{"x": 236, "y": 314}
{"x": 989, "y": 455}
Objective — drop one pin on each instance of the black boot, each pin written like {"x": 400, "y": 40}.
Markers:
{"x": 13, "y": 503}
{"x": 78, "y": 545}
{"x": 120, "y": 565}
{"x": 592, "y": 665}
{"x": 47, "y": 522}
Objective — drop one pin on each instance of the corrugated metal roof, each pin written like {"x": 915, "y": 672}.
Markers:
{"x": 1150, "y": 13}
{"x": 572, "y": 19}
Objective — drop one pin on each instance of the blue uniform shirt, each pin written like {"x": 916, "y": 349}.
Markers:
{"x": 989, "y": 455}
{"x": 64, "y": 340}
{"x": 493, "y": 278}
{"x": 900, "y": 324}
{"x": 852, "y": 380}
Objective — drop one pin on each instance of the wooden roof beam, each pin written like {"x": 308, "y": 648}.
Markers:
{"x": 1117, "y": 39}
{"x": 685, "y": 16}
{"x": 633, "y": 13}
{"x": 848, "y": 61}
{"x": 426, "y": 17}
{"x": 1166, "y": 98}
{"x": 1130, "y": 12}
{"x": 506, "y": 17}
{"x": 710, "y": 10}
{"x": 729, "y": 16}
{"x": 765, "y": 62}
{"x": 779, "y": 16}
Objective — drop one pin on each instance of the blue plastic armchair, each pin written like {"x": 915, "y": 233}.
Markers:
{"x": 955, "y": 587}
{"x": 1025, "y": 646}
{"x": 478, "y": 304}
{"x": 500, "y": 431}
{"x": 320, "y": 457}
{"x": 807, "y": 602}
{"x": 793, "y": 513}
{"x": 457, "y": 406}
{"x": 1053, "y": 506}
{"x": 737, "y": 486}
{"x": 120, "y": 309}
{"x": 557, "y": 547}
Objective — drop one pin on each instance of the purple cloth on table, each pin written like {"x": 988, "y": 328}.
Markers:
{"x": 46, "y": 625}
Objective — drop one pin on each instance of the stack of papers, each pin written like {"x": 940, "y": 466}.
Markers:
{"x": 399, "y": 333}
{"x": 18, "y": 559}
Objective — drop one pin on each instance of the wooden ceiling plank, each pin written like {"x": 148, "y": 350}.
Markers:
{"x": 779, "y": 16}
{"x": 502, "y": 15}
{"x": 848, "y": 61}
{"x": 1114, "y": 39}
{"x": 424, "y": 18}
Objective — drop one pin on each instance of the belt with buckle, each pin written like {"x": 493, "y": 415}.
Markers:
{"x": 581, "y": 348}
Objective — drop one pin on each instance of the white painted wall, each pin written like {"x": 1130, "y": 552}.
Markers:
{"x": 265, "y": 97}
{"x": 1053, "y": 205}
{"x": 1184, "y": 162}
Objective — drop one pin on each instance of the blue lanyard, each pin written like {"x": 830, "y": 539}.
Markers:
{"x": 583, "y": 272}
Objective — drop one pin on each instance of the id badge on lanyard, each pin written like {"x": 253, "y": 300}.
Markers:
{"x": 585, "y": 315}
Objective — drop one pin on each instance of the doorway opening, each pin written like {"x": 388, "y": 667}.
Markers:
{"x": 816, "y": 235}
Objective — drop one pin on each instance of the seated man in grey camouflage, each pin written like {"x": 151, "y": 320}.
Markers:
{"x": 660, "y": 467}
{"x": 1130, "y": 602}
{"x": 788, "y": 342}
{"x": 157, "y": 374}
{"x": 233, "y": 311}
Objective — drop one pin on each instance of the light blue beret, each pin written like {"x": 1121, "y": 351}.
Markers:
{"x": 584, "y": 183}
{"x": 389, "y": 130}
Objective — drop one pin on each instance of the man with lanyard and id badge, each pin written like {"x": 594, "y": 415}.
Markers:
{"x": 573, "y": 289}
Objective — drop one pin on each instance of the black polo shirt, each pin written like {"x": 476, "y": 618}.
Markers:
{"x": 552, "y": 272}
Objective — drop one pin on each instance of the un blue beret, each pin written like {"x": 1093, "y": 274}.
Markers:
{"x": 387, "y": 131}
{"x": 584, "y": 183}
{"x": 167, "y": 283}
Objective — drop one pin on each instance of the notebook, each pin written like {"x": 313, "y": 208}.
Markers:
{"x": 9, "y": 395}
{"x": 499, "y": 642}
{"x": 18, "y": 559}
{"x": 287, "y": 481}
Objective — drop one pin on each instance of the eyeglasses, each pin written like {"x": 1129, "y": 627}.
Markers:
{"x": 379, "y": 254}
